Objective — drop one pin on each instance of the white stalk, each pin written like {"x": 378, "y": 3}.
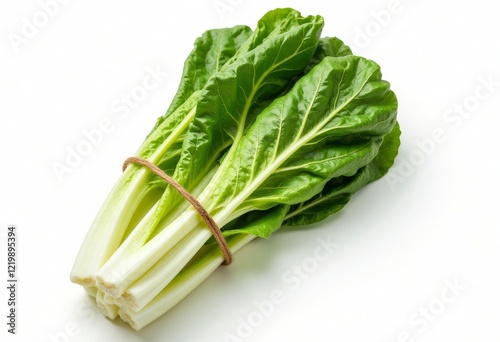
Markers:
{"x": 107, "y": 230}
{"x": 107, "y": 309}
{"x": 113, "y": 278}
{"x": 153, "y": 281}
{"x": 190, "y": 277}
{"x": 91, "y": 290}
{"x": 121, "y": 271}
{"x": 157, "y": 277}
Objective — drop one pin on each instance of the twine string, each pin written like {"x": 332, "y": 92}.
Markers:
{"x": 219, "y": 238}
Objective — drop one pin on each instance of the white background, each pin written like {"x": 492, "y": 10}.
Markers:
{"x": 400, "y": 242}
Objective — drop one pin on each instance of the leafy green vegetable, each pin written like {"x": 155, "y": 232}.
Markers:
{"x": 271, "y": 128}
{"x": 221, "y": 120}
{"x": 218, "y": 122}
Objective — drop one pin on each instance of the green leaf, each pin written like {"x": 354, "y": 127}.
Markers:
{"x": 337, "y": 191}
{"x": 222, "y": 112}
{"x": 334, "y": 196}
{"x": 314, "y": 133}
{"x": 258, "y": 223}
{"x": 261, "y": 69}
{"x": 211, "y": 51}
{"x": 263, "y": 223}
{"x": 329, "y": 47}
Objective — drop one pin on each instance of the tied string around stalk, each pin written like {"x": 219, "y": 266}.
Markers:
{"x": 228, "y": 257}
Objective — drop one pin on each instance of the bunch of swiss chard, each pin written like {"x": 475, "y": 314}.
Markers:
{"x": 269, "y": 128}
